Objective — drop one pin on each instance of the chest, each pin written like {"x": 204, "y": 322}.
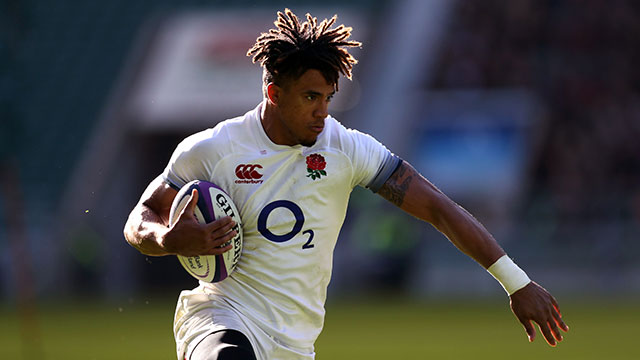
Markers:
{"x": 313, "y": 180}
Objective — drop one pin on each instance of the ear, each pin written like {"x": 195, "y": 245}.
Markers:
{"x": 273, "y": 93}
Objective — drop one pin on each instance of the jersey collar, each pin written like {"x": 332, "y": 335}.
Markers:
{"x": 264, "y": 138}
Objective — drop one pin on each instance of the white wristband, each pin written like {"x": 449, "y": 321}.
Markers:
{"x": 510, "y": 276}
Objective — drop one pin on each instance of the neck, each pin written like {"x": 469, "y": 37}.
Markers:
{"x": 270, "y": 118}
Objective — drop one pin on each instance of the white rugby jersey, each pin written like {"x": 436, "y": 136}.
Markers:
{"x": 292, "y": 201}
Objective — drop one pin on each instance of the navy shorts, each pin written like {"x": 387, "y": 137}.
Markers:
{"x": 224, "y": 345}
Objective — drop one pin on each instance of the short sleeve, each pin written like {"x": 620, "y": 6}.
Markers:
{"x": 372, "y": 162}
{"x": 193, "y": 159}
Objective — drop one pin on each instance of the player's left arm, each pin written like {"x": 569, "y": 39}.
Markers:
{"x": 414, "y": 194}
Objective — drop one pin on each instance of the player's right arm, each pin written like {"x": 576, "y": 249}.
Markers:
{"x": 147, "y": 228}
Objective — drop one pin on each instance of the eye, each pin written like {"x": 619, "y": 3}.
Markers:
{"x": 310, "y": 97}
{"x": 329, "y": 98}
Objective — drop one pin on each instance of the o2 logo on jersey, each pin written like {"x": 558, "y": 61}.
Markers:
{"x": 297, "y": 227}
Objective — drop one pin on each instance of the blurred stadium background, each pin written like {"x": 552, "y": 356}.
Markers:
{"x": 525, "y": 112}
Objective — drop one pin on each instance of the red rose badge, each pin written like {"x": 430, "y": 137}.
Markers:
{"x": 315, "y": 166}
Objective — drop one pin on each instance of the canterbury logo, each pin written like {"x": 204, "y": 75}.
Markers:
{"x": 248, "y": 171}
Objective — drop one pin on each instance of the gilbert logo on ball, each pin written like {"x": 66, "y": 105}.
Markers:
{"x": 213, "y": 203}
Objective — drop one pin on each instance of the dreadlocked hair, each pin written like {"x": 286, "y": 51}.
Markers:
{"x": 292, "y": 48}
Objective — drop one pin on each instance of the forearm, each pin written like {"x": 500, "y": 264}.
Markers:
{"x": 417, "y": 196}
{"x": 145, "y": 231}
{"x": 148, "y": 222}
{"x": 466, "y": 232}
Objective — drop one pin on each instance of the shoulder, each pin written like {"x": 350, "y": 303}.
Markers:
{"x": 202, "y": 142}
{"x": 222, "y": 135}
{"x": 346, "y": 138}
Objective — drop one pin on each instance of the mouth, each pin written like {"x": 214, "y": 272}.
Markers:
{"x": 317, "y": 128}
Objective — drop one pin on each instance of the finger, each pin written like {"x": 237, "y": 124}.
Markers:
{"x": 223, "y": 240}
{"x": 223, "y": 230}
{"x": 557, "y": 317}
{"x": 531, "y": 331}
{"x": 217, "y": 250}
{"x": 220, "y": 223}
{"x": 555, "y": 330}
{"x": 546, "y": 332}
{"x": 190, "y": 208}
{"x": 555, "y": 305}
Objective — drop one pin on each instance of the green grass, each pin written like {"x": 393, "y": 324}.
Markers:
{"x": 354, "y": 330}
{"x": 92, "y": 331}
{"x": 405, "y": 330}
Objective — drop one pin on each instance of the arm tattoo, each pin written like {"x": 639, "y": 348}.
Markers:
{"x": 396, "y": 186}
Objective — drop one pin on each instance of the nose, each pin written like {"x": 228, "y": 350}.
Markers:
{"x": 322, "y": 110}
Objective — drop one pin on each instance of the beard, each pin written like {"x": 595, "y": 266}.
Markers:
{"x": 308, "y": 143}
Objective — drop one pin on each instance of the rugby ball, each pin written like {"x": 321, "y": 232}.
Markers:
{"x": 213, "y": 203}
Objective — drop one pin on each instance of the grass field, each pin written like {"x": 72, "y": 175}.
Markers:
{"x": 392, "y": 329}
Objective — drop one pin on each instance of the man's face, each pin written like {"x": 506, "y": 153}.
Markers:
{"x": 302, "y": 106}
